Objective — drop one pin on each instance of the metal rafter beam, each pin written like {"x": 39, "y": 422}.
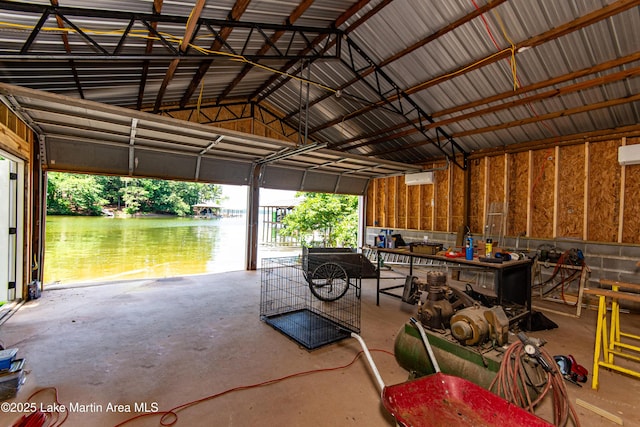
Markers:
{"x": 293, "y": 17}
{"x": 420, "y": 43}
{"x": 261, "y": 93}
{"x": 400, "y": 102}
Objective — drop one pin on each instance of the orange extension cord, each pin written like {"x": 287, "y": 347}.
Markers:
{"x": 41, "y": 418}
{"x": 169, "y": 417}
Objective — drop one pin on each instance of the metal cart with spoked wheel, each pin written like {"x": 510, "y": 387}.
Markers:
{"x": 330, "y": 271}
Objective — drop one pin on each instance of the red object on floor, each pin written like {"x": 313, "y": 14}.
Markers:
{"x": 446, "y": 400}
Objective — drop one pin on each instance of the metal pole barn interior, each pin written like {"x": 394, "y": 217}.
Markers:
{"x": 511, "y": 120}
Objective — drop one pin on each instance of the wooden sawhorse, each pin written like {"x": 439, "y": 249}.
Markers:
{"x": 611, "y": 344}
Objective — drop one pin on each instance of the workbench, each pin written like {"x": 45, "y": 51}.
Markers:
{"x": 512, "y": 279}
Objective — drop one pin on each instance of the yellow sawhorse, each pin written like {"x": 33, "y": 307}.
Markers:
{"x": 610, "y": 344}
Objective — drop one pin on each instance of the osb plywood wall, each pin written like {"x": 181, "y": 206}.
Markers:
{"x": 577, "y": 191}
{"x": 15, "y": 136}
{"x": 631, "y": 220}
{"x": 241, "y": 118}
{"x": 571, "y": 191}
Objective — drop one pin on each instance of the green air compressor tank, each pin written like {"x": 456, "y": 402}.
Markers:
{"x": 469, "y": 362}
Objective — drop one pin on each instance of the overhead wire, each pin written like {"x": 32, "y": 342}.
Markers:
{"x": 514, "y": 66}
{"x": 517, "y": 83}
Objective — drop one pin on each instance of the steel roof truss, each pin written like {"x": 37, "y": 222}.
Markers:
{"x": 219, "y": 39}
{"x": 155, "y": 33}
{"x": 449, "y": 147}
{"x": 34, "y": 33}
{"x": 264, "y": 29}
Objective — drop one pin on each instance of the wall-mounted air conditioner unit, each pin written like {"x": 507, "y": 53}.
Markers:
{"x": 419, "y": 178}
{"x": 629, "y": 154}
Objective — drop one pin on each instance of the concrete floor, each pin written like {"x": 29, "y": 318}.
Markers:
{"x": 175, "y": 340}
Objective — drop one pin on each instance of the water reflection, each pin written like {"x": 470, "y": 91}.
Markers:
{"x": 80, "y": 249}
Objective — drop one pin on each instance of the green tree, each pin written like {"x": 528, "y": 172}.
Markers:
{"x": 330, "y": 217}
{"x": 88, "y": 194}
{"x": 69, "y": 194}
{"x": 134, "y": 196}
{"x": 111, "y": 186}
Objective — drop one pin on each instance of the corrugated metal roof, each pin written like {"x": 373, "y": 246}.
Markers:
{"x": 375, "y": 64}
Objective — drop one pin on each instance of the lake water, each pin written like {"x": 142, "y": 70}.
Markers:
{"x": 81, "y": 249}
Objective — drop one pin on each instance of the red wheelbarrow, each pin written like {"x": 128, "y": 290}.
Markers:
{"x": 446, "y": 400}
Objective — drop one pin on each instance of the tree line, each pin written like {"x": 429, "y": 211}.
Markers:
{"x": 326, "y": 220}
{"x": 319, "y": 220}
{"x": 79, "y": 194}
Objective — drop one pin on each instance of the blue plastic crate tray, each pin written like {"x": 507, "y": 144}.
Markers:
{"x": 6, "y": 357}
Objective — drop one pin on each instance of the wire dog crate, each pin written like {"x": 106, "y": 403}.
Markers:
{"x": 287, "y": 304}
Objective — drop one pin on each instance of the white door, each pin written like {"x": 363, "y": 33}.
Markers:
{"x": 10, "y": 238}
{"x": 5, "y": 218}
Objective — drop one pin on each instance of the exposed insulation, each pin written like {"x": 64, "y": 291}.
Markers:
{"x": 604, "y": 191}
{"x": 631, "y": 226}
{"x": 441, "y": 185}
{"x": 518, "y": 192}
{"x": 392, "y": 202}
{"x": 477, "y": 191}
{"x": 413, "y": 203}
{"x": 457, "y": 202}
{"x": 426, "y": 207}
{"x": 542, "y": 190}
{"x": 402, "y": 203}
{"x": 571, "y": 192}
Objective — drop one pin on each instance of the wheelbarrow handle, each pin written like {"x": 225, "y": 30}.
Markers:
{"x": 373, "y": 366}
{"x": 425, "y": 340}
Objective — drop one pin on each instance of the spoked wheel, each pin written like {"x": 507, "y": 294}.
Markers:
{"x": 329, "y": 282}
